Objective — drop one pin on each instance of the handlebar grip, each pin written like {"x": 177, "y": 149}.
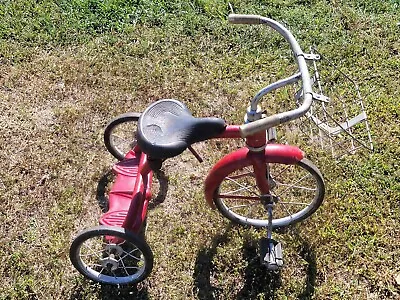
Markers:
{"x": 244, "y": 19}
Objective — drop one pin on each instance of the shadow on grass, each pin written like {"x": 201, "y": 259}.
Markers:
{"x": 127, "y": 292}
{"x": 108, "y": 292}
{"x": 306, "y": 251}
{"x": 101, "y": 192}
{"x": 162, "y": 192}
{"x": 257, "y": 279}
{"x": 203, "y": 268}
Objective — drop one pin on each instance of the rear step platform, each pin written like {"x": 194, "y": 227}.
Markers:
{"x": 121, "y": 193}
{"x": 114, "y": 218}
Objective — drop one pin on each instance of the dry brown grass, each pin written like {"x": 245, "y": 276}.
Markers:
{"x": 55, "y": 102}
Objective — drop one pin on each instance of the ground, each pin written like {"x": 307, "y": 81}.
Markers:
{"x": 67, "y": 68}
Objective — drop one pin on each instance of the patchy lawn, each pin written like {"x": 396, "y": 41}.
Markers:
{"x": 68, "y": 67}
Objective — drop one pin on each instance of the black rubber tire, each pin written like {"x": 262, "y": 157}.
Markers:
{"x": 308, "y": 167}
{"x": 146, "y": 256}
{"x": 108, "y": 140}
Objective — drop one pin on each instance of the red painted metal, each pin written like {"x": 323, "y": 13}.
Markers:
{"x": 127, "y": 206}
{"x": 273, "y": 153}
{"x": 138, "y": 206}
{"x": 257, "y": 140}
{"x": 121, "y": 192}
{"x": 231, "y": 132}
{"x": 259, "y": 163}
{"x": 284, "y": 154}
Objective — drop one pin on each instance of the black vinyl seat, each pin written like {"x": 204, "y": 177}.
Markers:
{"x": 166, "y": 128}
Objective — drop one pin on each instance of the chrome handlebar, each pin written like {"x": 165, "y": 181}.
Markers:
{"x": 274, "y": 120}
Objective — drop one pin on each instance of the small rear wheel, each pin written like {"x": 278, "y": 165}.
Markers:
{"x": 112, "y": 255}
{"x": 297, "y": 189}
{"x": 120, "y": 134}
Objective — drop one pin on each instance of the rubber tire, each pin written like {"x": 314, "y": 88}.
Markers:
{"x": 127, "y": 117}
{"x": 111, "y": 231}
{"x": 305, "y": 164}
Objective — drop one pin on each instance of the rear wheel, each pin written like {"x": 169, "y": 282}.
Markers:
{"x": 120, "y": 134}
{"x": 297, "y": 189}
{"x": 112, "y": 255}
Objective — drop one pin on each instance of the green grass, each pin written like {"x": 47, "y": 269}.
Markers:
{"x": 68, "y": 67}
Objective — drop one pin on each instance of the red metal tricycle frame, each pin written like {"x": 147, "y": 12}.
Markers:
{"x": 131, "y": 192}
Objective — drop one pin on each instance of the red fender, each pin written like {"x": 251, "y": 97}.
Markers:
{"x": 274, "y": 153}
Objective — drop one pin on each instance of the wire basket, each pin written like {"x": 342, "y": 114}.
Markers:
{"x": 337, "y": 120}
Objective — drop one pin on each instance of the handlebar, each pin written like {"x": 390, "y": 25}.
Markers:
{"x": 274, "y": 120}
{"x": 244, "y": 19}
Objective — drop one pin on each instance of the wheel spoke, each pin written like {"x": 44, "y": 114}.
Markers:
{"x": 298, "y": 187}
{"x": 116, "y": 136}
{"x": 123, "y": 266}
{"x": 287, "y": 210}
{"x": 242, "y": 186}
{"x": 295, "y": 203}
{"x": 242, "y": 205}
{"x": 124, "y": 146}
{"x": 235, "y": 191}
{"x": 92, "y": 252}
{"x": 283, "y": 169}
{"x": 242, "y": 175}
{"x": 293, "y": 185}
{"x": 225, "y": 196}
{"x": 132, "y": 256}
{"x": 90, "y": 255}
{"x": 96, "y": 265}
{"x": 101, "y": 271}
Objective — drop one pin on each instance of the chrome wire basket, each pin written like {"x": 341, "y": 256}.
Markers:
{"x": 337, "y": 120}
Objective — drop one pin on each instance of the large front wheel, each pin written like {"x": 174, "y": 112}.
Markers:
{"x": 297, "y": 190}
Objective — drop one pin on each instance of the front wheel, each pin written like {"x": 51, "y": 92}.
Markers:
{"x": 120, "y": 134}
{"x": 297, "y": 189}
{"x": 112, "y": 255}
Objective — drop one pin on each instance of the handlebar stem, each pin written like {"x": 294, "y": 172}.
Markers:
{"x": 253, "y": 114}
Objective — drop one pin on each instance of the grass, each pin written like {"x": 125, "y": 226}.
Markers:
{"x": 68, "y": 67}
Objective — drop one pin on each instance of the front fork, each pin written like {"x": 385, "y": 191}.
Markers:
{"x": 271, "y": 250}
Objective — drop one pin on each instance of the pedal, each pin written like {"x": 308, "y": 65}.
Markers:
{"x": 271, "y": 254}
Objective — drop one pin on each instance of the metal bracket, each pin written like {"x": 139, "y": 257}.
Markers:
{"x": 316, "y": 96}
{"x": 310, "y": 56}
{"x": 298, "y": 94}
{"x": 315, "y": 78}
{"x": 321, "y": 98}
